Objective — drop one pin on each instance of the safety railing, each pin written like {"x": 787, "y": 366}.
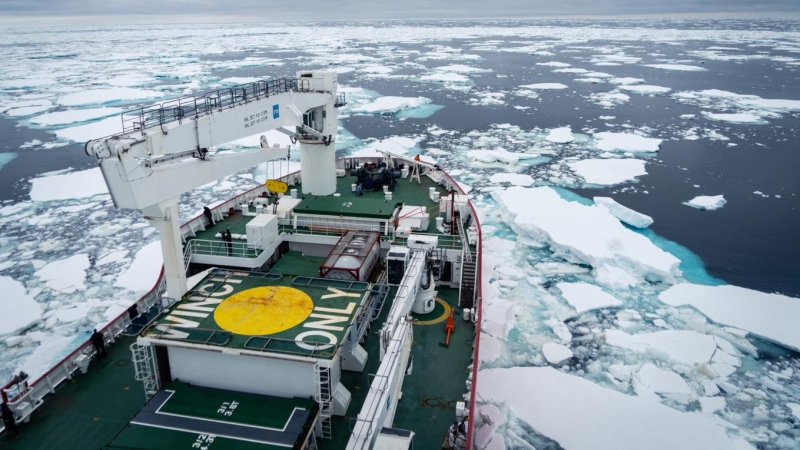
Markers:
{"x": 205, "y": 336}
{"x": 64, "y": 369}
{"x": 312, "y": 349}
{"x": 232, "y": 249}
{"x": 342, "y": 285}
{"x": 158, "y": 115}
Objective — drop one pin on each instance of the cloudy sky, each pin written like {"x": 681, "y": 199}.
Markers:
{"x": 266, "y": 10}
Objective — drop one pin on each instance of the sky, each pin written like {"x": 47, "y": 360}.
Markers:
{"x": 120, "y": 11}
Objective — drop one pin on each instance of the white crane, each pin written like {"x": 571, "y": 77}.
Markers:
{"x": 164, "y": 149}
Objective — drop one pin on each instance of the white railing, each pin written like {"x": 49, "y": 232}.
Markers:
{"x": 234, "y": 249}
{"x": 384, "y": 392}
{"x": 339, "y": 225}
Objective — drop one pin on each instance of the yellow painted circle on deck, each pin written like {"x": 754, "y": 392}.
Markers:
{"x": 263, "y": 310}
{"x": 439, "y": 319}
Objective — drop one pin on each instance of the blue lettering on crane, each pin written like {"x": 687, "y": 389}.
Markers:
{"x": 276, "y": 112}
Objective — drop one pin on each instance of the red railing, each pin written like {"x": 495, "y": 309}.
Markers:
{"x": 477, "y": 307}
{"x": 64, "y": 369}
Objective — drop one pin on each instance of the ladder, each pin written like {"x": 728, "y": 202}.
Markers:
{"x": 468, "y": 273}
{"x": 464, "y": 241}
{"x": 144, "y": 363}
{"x": 322, "y": 376}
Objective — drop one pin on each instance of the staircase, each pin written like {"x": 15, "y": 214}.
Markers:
{"x": 468, "y": 275}
{"x": 322, "y": 376}
{"x": 146, "y": 370}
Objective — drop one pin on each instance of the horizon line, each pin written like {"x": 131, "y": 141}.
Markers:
{"x": 154, "y": 19}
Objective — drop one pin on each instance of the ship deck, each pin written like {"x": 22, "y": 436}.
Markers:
{"x": 372, "y": 204}
{"x": 262, "y": 312}
{"x": 186, "y": 416}
{"x": 90, "y": 410}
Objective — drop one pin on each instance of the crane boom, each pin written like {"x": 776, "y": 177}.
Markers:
{"x": 163, "y": 150}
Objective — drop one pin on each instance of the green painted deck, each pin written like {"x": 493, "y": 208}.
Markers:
{"x": 295, "y": 263}
{"x": 234, "y": 407}
{"x": 372, "y": 203}
{"x": 270, "y": 302}
{"x": 87, "y": 411}
{"x": 139, "y": 437}
{"x": 431, "y": 391}
{"x": 205, "y": 407}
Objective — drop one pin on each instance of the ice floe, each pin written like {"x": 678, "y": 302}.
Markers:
{"x": 552, "y": 402}
{"x": 20, "y": 310}
{"x": 66, "y": 275}
{"x": 516, "y": 179}
{"x": 609, "y": 99}
{"x": 555, "y": 353}
{"x": 583, "y": 234}
{"x": 82, "y": 184}
{"x": 623, "y": 213}
{"x": 74, "y": 116}
{"x": 707, "y": 202}
{"x": 586, "y": 297}
{"x": 608, "y": 172}
{"x": 726, "y": 100}
{"x": 678, "y": 67}
{"x": 390, "y": 105}
{"x": 684, "y": 346}
{"x": 499, "y": 155}
{"x": 735, "y": 118}
{"x": 626, "y": 142}
{"x": 561, "y": 135}
{"x": 661, "y": 381}
{"x": 544, "y": 86}
{"x": 94, "y": 130}
{"x": 143, "y": 273}
{"x": 771, "y": 316}
{"x": 110, "y": 95}
{"x": 644, "y": 89}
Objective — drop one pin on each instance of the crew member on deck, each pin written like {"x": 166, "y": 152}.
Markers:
{"x": 228, "y": 238}
{"x": 99, "y": 344}
{"x": 209, "y": 216}
{"x": 9, "y": 421}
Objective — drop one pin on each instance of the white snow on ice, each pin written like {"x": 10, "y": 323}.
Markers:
{"x": 608, "y": 172}
{"x": 544, "y": 86}
{"x": 678, "y": 67}
{"x": 626, "y": 142}
{"x": 74, "y": 116}
{"x": 623, "y": 213}
{"x": 771, "y": 316}
{"x": 143, "y": 273}
{"x": 84, "y": 183}
{"x": 391, "y": 105}
{"x": 586, "y": 297}
{"x": 583, "y": 234}
{"x": 561, "y": 135}
{"x": 555, "y": 353}
{"x": 552, "y": 403}
{"x": 20, "y": 310}
{"x": 66, "y": 275}
{"x": 707, "y": 202}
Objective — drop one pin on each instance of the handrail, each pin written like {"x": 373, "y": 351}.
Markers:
{"x": 64, "y": 369}
{"x": 220, "y": 248}
{"x": 160, "y": 114}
